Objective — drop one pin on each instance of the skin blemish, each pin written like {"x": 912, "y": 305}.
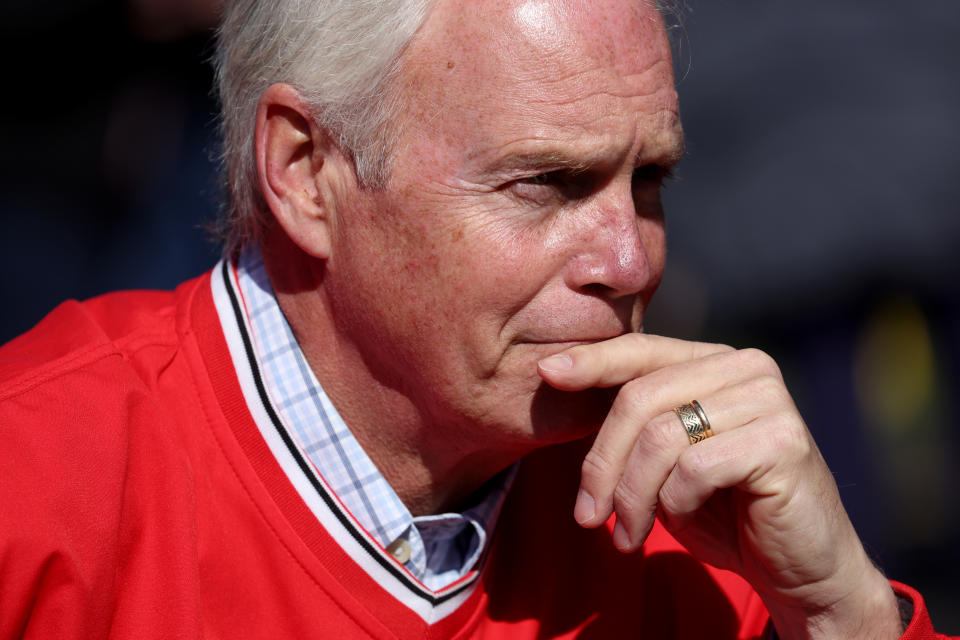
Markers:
{"x": 450, "y": 64}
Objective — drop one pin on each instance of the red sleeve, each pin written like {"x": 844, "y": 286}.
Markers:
{"x": 61, "y": 492}
{"x": 920, "y": 627}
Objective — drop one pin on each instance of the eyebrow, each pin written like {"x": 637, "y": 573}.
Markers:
{"x": 539, "y": 159}
{"x": 555, "y": 159}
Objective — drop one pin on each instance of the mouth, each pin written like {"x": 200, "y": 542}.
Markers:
{"x": 560, "y": 343}
{"x": 571, "y": 338}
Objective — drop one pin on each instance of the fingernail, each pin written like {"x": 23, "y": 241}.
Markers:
{"x": 559, "y": 362}
{"x": 621, "y": 539}
{"x": 585, "y": 509}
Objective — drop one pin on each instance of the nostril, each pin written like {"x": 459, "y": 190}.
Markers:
{"x": 596, "y": 289}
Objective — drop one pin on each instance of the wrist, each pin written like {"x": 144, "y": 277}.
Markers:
{"x": 868, "y": 609}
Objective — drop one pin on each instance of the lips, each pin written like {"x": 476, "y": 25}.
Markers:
{"x": 567, "y": 340}
{"x": 564, "y": 341}
{"x": 570, "y": 335}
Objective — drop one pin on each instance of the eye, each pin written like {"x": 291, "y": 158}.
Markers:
{"x": 541, "y": 188}
{"x": 551, "y": 177}
{"x": 559, "y": 186}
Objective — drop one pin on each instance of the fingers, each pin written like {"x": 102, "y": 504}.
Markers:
{"x": 637, "y": 404}
{"x": 776, "y": 442}
{"x": 659, "y": 448}
{"x": 632, "y": 421}
{"x": 643, "y": 440}
{"x": 784, "y": 489}
{"x": 616, "y": 361}
{"x": 756, "y": 497}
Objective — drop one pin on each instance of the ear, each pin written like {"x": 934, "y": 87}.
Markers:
{"x": 294, "y": 159}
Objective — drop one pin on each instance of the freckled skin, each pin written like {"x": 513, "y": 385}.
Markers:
{"x": 446, "y": 287}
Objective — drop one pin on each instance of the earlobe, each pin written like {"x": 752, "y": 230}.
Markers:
{"x": 291, "y": 152}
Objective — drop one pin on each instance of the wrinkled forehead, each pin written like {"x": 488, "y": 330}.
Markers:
{"x": 487, "y": 58}
{"x": 542, "y": 36}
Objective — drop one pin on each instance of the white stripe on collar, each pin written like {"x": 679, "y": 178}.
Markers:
{"x": 237, "y": 302}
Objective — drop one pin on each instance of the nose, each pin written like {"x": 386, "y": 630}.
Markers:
{"x": 619, "y": 251}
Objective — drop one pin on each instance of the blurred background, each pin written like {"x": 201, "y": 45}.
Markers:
{"x": 107, "y": 172}
{"x": 815, "y": 217}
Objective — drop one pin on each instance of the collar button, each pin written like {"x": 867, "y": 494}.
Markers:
{"x": 400, "y": 550}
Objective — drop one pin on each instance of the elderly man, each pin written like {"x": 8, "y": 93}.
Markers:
{"x": 376, "y": 417}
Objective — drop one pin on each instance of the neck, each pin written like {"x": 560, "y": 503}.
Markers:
{"x": 432, "y": 467}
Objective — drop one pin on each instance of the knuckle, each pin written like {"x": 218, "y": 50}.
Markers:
{"x": 791, "y": 437}
{"x": 628, "y": 500}
{"x": 661, "y": 433}
{"x": 669, "y": 499}
{"x": 692, "y": 463}
{"x": 634, "y": 394}
{"x": 641, "y": 399}
{"x": 671, "y": 496}
{"x": 756, "y": 360}
{"x": 771, "y": 389}
{"x": 596, "y": 466}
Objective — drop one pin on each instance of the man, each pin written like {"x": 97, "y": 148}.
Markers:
{"x": 374, "y": 418}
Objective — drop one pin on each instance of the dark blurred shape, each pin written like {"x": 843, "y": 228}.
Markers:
{"x": 164, "y": 20}
{"x": 108, "y": 152}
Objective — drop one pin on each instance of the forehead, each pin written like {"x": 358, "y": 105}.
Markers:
{"x": 528, "y": 69}
{"x": 611, "y": 31}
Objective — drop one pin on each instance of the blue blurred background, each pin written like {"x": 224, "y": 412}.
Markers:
{"x": 816, "y": 215}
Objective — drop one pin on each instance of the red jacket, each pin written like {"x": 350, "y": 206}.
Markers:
{"x": 139, "y": 498}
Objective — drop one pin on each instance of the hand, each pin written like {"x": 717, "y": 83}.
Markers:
{"x": 757, "y": 498}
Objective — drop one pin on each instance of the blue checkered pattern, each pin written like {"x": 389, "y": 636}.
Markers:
{"x": 443, "y": 548}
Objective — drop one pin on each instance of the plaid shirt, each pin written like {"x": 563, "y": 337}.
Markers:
{"x": 438, "y": 550}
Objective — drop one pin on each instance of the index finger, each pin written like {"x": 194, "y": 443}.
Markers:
{"x": 618, "y": 360}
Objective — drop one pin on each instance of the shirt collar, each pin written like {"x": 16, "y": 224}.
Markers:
{"x": 439, "y": 549}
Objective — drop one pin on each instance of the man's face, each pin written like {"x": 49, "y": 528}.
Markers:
{"x": 522, "y": 215}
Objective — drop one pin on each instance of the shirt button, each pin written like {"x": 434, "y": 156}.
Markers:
{"x": 400, "y": 550}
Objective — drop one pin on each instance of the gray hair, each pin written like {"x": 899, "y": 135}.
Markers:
{"x": 341, "y": 57}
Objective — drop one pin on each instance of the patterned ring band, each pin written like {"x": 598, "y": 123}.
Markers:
{"x": 694, "y": 421}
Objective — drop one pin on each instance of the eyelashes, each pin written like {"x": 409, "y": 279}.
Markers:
{"x": 564, "y": 185}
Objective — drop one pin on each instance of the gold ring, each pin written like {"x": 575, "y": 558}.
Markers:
{"x": 707, "y": 431}
{"x": 694, "y": 421}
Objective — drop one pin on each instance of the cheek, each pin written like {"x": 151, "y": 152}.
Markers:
{"x": 499, "y": 267}
{"x": 394, "y": 249}
{"x": 456, "y": 259}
